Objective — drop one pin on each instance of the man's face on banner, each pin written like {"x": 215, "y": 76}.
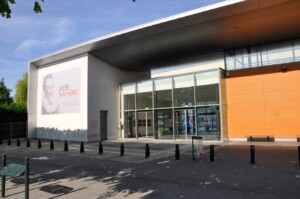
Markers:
{"x": 49, "y": 89}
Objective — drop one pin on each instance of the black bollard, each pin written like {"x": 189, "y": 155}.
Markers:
{"x": 28, "y": 143}
{"x": 1, "y": 142}
{"x": 177, "y": 152}
{"x": 8, "y": 142}
{"x": 51, "y": 145}
{"x": 100, "y": 148}
{"x": 252, "y": 154}
{"x": 299, "y": 154}
{"x": 122, "y": 149}
{"x": 147, "y": 151}
{"x": 81, "y": 148}
{"x": 39, "y": 144}
{"x": 66, "y": 147}
{"x": 212, "y": 153}
{"x": 18, "y": 142}
{"x": 250, "y": 138}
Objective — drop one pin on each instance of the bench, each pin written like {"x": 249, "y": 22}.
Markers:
{"x": 258, "y": 138}
{"x": 14, "y": 170}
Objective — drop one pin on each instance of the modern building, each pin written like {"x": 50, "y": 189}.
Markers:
{"x": 235, "y": 73}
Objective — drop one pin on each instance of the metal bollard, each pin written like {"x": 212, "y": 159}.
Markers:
{"x": 212, "y": 153}
{"x": 122, "y": 149}
{"x": 18, "y": 142}
{"x": 28, "y": 143}
{"x": 147, "y": 151}
{"x": 81, "y": 148}
{"x": 8, "y": 142}
{"x": 3, "y": 177}
{"x": 66, "y": 147}
{"x": 1, "y": 141}
{"x": 100, "y": 148}
{"x": 26, "y": 178}
{"x": 299, "y": 154}
{"x": 39, "y": 144}
{"x": 177, "y": 152}
{"x": 51, "y": 145}
{"x": 252, "y": 154}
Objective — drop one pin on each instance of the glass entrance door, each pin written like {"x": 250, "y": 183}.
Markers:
{"x": 184, "y": 123}
{"x": 145, "y": 124}
{"x": 208, "y": 119}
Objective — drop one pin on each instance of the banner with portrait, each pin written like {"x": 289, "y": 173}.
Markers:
{"x": 61, "y": 92}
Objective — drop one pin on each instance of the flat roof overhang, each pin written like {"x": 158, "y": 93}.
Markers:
{"x": 226, "y": 25}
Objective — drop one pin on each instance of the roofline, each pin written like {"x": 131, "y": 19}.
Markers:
{"x": 142, "y": 26}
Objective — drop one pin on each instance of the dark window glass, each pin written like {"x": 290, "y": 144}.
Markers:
{"x": 184, "y": 96}
{"x": 164, "y": 124}
{"x": 163, "y": 98}
{"x": 129, "y": 125}
{"x": 208, "y": 94}
{"x": 129, "y": 102}
{"x": 144, "y": 100}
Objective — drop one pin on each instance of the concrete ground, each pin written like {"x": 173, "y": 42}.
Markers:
{"x": 59, "y": 174}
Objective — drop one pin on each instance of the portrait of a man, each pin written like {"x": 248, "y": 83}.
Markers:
{"x": 50, "y": 102}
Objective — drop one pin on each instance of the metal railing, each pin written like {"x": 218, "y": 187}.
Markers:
{"x": 13, "y": 130}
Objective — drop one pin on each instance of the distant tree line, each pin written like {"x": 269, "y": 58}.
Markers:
{"x": 13, "y": 110}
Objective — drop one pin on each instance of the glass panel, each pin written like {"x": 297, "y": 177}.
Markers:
{"x": 163, "y": 84}
{"x": 184, "y": 81}
{"x": 128, "y": 96}
{"x": 129, "y": 125}
{"x": 230, "y": 60}
{"x": 208, "y": 94}
{"x": 144, "y": 100}
{"x": 297, "y": 50}
{"x": 207, "y": 78}
{"x": 208, "y": 122}
{"x": 280, "y": 53}
{"x": 164, "y": 124}
{"x": 255, "y": 57}
{"x": 144, "y": 95}
{"x": 129, "y": 102}
{"x": 163, "y": 98}
{"x": 184, "y": 97}
{"x": 145, "y": 124}
{"x": 184, "y": 123}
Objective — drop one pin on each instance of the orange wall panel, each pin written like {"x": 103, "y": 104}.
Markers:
{"x": 265, "y": 103}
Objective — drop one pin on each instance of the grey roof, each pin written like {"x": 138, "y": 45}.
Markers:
{"x": 225, "y": 25}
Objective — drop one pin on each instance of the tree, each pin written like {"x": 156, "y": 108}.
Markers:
{"x": 6, "y": 11}
{"x": 4, "y": 93}
{"x": 21, "y": 90}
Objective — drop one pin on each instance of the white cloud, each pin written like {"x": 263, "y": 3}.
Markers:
{"x": 59, "y": 32}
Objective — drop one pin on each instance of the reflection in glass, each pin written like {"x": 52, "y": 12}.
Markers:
{"x": 145, "y": 124}
{"x": 164, "y": 124}
{"x": 184, "y": 123}
{"x": 129, "y": 125}
{"x": 183, "y": 97}
{"x": 144, "y": 100}
{"x": 208, "y": 122}
{"x": 163, "y": 98}
{"x": 129, "y": 102}
{"x": 208, "y": 94}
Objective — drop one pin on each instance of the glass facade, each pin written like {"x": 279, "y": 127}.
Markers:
{"x": 265, "y": 55}
{"x": 177, "y": 107}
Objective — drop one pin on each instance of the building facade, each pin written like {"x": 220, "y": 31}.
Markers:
{"x": 236, "y": 67}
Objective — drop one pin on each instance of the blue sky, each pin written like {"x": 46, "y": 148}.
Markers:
{"x": 64, "y": 23}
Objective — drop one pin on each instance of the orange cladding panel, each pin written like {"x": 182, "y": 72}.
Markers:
{"x": 265, "y": 103}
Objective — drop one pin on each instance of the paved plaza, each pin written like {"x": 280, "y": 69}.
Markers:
{"x": 59, "y": 174}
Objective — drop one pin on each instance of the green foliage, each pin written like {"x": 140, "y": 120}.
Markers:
{"x": 13, "y": 113}
{"x": 4, "y": 93}
{"x": 6, "y": 11}
{"x": 21, "y": 90}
